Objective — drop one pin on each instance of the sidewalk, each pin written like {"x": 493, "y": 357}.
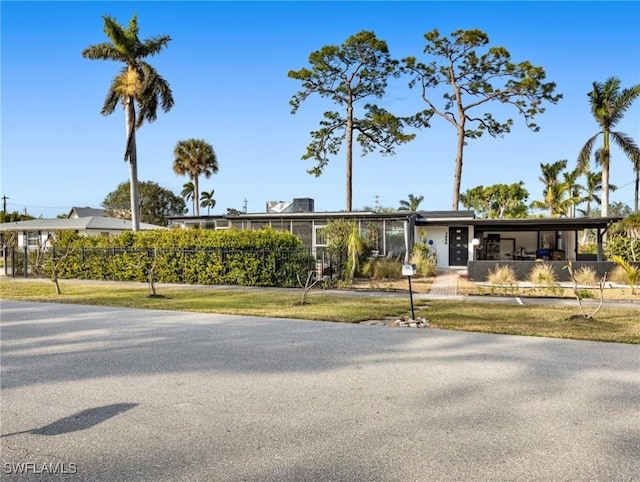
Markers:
{"x": 445, "y": 284}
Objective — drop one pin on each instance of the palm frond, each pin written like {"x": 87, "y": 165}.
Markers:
{"x": 628, "y": 146}
{"x": 102, "y": 51}
{"x": 584, "y": 158}
{"x": 154, "y": 45}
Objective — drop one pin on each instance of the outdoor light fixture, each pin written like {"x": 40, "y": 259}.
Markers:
{"x": 475, "y": 242}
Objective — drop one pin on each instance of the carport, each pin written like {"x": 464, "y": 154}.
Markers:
{"x": 521, "y": 242}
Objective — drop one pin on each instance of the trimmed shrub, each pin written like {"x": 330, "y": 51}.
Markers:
{"x": 586, "y": 276}
{"x": 543, "y": 274}
{"x": 263, "y": 257}
{"x": 502, "y": 275}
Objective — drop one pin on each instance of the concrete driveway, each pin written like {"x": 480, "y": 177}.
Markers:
{"x": 110, "y": 394}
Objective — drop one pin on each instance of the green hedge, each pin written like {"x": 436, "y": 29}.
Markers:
{"x": 263, "y": 257}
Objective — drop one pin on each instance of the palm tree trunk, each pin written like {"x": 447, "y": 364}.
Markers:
{"x": 636, "y": 192}
{"x": 132, "y": 157}
{"x": 349, "y": 142}
{"x": 196, "y": 196}
{"x": 604, "y": 160}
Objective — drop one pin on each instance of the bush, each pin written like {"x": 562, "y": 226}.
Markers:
{"x": 424, "y": 261}
{"x": 623, "y": 246}
{"x": 631, "y": 272}
{"x": 585, "y": 276}
{"x": 382, "y": 268}
{"x": 583, "y": 294}
{"x": 263, "y": 257}
{"x": 542, "y": 274}
{"x": 502, "y": 275}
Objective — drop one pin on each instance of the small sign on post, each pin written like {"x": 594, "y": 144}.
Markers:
{"x": 409, "y": 270}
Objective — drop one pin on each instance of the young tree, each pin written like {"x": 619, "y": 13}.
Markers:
{"x": 207, "y": 201}
{"x": 411, "y": 204}
{"x": 156, "y": 203}
{"x": 355, "y": 250}
{"x": 348, "y": 74}
{"x": 138, "y": 83}
{"x": 469, "y": 75}
{"x": 608, "y": 105}
{"x": 497, "y": 201}
{"x": 53, "y": 256}
{"x": 195, "y": 158}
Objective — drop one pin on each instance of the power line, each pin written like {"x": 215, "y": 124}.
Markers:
{"x": 39, "y": 207}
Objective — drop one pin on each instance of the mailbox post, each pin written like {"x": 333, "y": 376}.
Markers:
{"x": 409, "y": 270}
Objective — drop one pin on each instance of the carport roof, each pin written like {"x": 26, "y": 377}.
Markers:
{"x": 544, "y": 224}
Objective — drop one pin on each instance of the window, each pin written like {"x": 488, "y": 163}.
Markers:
{"x": 256, "y": 225}
{"x": 302, "y": 229}
{"x": 33, "y": 239}
{"x": 394, "y": 238}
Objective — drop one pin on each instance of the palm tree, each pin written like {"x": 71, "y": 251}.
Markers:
{"x": 411, "y": 204}
{"x": 137, "y": 83}
{"x": 187, "y": 193}
{"x": 207, "y": 201}
{"x": 194, "y": 158}
{"x": 608, "y": 105}
{"x": 591, "y": 190}
{"x": 559, "y": 195}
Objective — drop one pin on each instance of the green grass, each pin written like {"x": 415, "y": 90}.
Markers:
{"x": 610, "y": 324}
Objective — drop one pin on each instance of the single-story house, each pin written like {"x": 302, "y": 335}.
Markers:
{"x": 457, "y": 238}
{"x": 386, "y": 228}
{"x": 36, "y": 232}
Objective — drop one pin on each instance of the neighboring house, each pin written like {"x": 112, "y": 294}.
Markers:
{"x": 77, "y": 212}
{"x": 36, "y": 232}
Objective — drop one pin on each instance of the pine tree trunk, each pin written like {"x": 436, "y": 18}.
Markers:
{"x": 349, "y": 149}
{"x": 457, "y": 176}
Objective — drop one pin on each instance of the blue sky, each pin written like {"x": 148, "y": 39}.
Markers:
{"x": 227, "y": 65}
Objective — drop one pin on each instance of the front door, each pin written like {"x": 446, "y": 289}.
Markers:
{"x": 458, "y": 246}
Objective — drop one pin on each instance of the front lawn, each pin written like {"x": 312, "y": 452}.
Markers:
{"x": 610, "y": 324}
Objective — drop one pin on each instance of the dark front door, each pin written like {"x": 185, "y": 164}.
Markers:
{"x": 458, "y": 246}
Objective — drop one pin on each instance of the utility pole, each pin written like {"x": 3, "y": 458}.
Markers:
{"x": 377, "y": 202}
{"x": 244, "y": 205}
{"x": 4, "y": 208}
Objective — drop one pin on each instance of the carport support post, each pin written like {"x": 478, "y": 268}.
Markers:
{"x": 599, "y": 242}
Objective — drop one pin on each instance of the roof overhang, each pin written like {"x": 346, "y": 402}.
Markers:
{"x": 543, "y": 224}
{"x": 420, "y": 216}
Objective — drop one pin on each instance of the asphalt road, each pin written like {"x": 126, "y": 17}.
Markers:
{"x": 110, "y": 394}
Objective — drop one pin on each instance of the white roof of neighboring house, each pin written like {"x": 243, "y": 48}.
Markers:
{"x": 77, "y": 224}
